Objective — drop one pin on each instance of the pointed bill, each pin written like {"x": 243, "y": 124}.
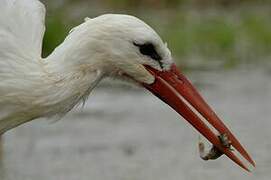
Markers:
{"x": 174, "y": 88}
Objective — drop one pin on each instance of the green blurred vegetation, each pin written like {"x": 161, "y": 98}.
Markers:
{"x": 200, "y": 33}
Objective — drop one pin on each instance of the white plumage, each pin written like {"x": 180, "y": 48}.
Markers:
{"x": 33, "y": 87}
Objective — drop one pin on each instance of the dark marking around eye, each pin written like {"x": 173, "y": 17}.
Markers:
{"x": 148, "y": 49}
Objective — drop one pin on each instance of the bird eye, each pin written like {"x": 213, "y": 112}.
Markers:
{"x": 148, "y": 49}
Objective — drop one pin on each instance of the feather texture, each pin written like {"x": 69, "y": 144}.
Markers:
{"x": 28, "y": 89}
{"x": 21, "y": 33}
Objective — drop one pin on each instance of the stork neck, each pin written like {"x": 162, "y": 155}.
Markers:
{"x": 74, "y": 72}
{"x": 69, "y": 58}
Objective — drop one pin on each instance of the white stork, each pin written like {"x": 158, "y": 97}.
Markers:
{"x": 110, "y": 45}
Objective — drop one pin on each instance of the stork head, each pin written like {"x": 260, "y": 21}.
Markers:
{"x": 132, "y": 50}
{"x": 126, "y": 45}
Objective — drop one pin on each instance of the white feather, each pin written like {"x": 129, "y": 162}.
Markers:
{"x": 27, "y": 89}
{"x": 21, "y": 34}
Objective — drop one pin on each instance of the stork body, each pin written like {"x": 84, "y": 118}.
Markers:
{"x": 111, "y": 45}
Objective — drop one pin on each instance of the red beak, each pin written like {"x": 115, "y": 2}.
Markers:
{"x": 174, "y": 88}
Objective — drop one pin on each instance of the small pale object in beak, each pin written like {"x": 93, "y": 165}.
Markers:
{"x": 214, "y": 152}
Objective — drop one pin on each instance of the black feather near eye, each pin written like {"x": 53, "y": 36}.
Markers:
{"x": 148, "y": 49}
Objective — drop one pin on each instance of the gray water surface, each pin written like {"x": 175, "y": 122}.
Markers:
{"x": 131, "y": 135}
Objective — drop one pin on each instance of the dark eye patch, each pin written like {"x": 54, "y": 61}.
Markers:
{"x": 148, "y": 49}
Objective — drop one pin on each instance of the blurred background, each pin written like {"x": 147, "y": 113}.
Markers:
{"x": 124, "y": 133}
